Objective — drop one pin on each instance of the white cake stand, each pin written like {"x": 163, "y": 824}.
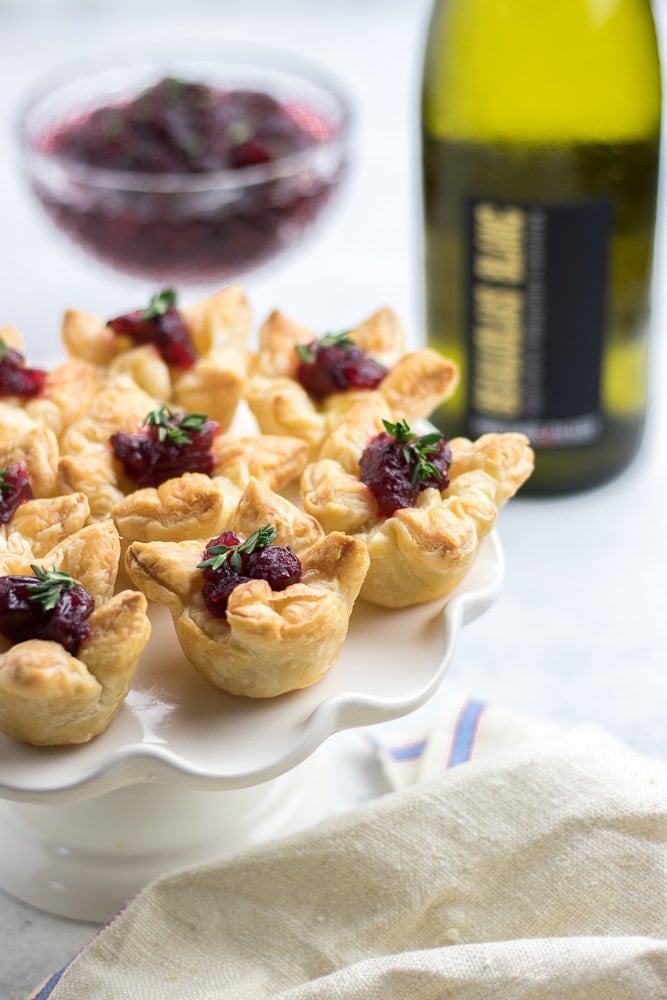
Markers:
{"x": 187, "y": 774}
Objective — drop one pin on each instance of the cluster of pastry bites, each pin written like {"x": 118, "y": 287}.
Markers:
{"x": 62, "y": 535}
{"x": 91, "y": 518}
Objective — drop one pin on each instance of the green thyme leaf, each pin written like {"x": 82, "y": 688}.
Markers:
{"x": 160, "y": 303}
{"x": 5, "y": 480}
{"x": 170, "y": 426}
{"x": 47, "y": 590}
{"x": 430, "y": 439}
{"x": 425, "y": 470}
{"x": 305, "y": 353}
{"x": 308, "y": 352}
{"x": 3, "y": 349}
{"x": 219, "y": 554}
{"x": 193, "y": 422}
{"x": 415, "y": 450}
{"x": 400, "y": 431}
{"x": 336, "y": 340}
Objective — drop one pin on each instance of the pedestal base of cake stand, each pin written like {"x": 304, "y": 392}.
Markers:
{"x": 85, "y": 859}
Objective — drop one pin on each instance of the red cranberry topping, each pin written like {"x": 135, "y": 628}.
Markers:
{"x": 15, "y": 489}
{"x": 168, "y": 445}
{"x": 333, "y": 364}
{"x": 276, "y": 564}
{"x": 50, "y": 605}
{"x": 228, "y": 562}
{"x": 161, "y": 324}
{"x": 15, "y": 378}
{"x": 396, "y": 465}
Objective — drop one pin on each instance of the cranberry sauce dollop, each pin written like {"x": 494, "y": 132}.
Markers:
{"x": 167, "y": 445}
{"x": 333, "y": 364}
{"x": 161, "y": 324}
{"x": 227, "y": 562}
{"x": 26, "y": 612}
{"x": 16, "y": 379}
{"x": 180, "y": 126}
{"x": 187, "y": 128}
{"x": 397, "y": 465}
{"x": 15, "y": 489}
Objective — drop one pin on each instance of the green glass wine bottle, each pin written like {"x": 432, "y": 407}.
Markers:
{"x": 540, "y": 143}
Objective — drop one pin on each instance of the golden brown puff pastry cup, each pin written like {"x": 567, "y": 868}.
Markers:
{"x": 38, "y": 526}
{"x": 419, "y": 553}
{"x": 87, "y": 464}
{"x": 270, "y": 642}
{"x": 30, "y": 443}
{"x": 69, "y": 391}
{"x": 48, "y": 697}
{"x": 200, "y": 506}
{"x": 416, "y": 382}
{"x": 219, "y": 326}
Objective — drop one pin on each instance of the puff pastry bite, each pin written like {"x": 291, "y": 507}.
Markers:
{"x": 192, "y": 506}
{"x": 301, "y": 385}
{"x": 421, "y": 543}
{"x": 265, "y": 636}
{"x": 195, "y": 505}
{"x": 194, "y": 357}
{"x": 29, "y": 528}
{"x": 274, "y": 459}
{"x": 70, "y": 647}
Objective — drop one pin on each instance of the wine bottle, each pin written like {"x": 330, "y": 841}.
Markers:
{"x": 540, "y": 148}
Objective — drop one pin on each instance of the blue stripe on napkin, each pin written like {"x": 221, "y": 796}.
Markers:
{"x": 409, "y": 751}
{"x": 49, "y": 986}
{"x": 465, "y": 732}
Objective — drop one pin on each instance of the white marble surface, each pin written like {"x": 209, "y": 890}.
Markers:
{"x": 579, "y": 633}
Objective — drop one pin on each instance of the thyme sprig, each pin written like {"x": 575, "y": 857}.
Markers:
{"x": 416, "y": 449}
{"x": 49, "y": 586}
{"x": 308, "y": 352}
{"x": 160, "y": 303}
{"x": 220, "y": 554}
{"x": 6, "y": 477}
{"x": 172, "y": 427}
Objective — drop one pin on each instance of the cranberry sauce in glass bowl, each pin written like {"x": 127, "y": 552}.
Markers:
{"x": 192, "y": 170}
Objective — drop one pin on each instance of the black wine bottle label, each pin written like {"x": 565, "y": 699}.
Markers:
{"x": 536, "y": 289}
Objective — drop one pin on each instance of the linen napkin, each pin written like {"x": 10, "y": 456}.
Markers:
{"x": 536, "y": 871}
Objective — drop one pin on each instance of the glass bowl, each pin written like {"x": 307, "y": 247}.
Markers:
{"x": 182, "y": 226}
